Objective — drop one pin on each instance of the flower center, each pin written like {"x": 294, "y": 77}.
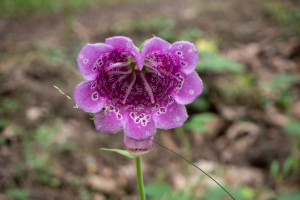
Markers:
{"x": 132, "y": 90}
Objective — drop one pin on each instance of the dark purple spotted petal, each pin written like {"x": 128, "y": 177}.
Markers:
{"x": 186, "y": 54}
{"x": 108, "y": 121}
{"x": 126, "y": 44}
{"x": 87, "y": 59}
{"x": 87, "y": 97}
{"x": 171, "y": 116}
{"x": 192, "y": 87}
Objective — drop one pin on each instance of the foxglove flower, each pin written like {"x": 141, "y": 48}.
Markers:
{"x": 136, "y": 90}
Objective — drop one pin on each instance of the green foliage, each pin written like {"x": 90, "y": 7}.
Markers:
{"x": 157, "y": 190}
{"x": 36, "y": 148}
{"x": 191, "y": 34}
{"x": 8, "y": 106}
{"x": 199, "y": 122}
{"x": 159, "y": 26}
{"x": 200, "y": 104}
{"x": 164, "y": 191}
{"x": 282, "y": 81}
{"x": 18, "y": 194}
{"x": 17, "y": 8}
{"x": 292, "y": 127}
{"x": 214, "y": 193}
{"x": 245, "y": 193}
{"x": 214, "y": 62}
{"x": 274, "y": 169}
{"x": 291, "y": 164}
{"x": 283, "y": 13}
{"x": 291, "y": 196}
{"x": 119, "y": 151}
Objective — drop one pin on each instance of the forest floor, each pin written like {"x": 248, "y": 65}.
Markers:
{"x": 248, "y": 114}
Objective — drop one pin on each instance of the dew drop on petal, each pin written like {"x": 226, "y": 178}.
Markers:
{"x": 177, "y": 119}
{"x": 191, "y": 91}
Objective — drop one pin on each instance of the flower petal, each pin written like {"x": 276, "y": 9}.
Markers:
{"x": 139, "y": 129}
{"x": 187, "y": 54}
{"x": 174, "y": 116}
{"x": 87, "y": 97}
{"x": 108, "y": 122}
{"x": 87, "y": 58}
{"x": 191, "y": 88}
{"x": 126, "y": 44}
{"x": 138, "y": 147}
{"x": 155, "y": 44}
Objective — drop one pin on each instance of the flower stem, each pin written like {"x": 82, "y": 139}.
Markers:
{"x": 138, "y": 161}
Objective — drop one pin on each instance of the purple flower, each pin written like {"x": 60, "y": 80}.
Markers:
{"x": 137, "y": 90}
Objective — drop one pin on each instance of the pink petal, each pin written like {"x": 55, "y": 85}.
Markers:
{"x": 174, "y": 116}
{"x": 88, "y": 98}
{"x": 135, "y": 129}
{"x": 108, "y": 122}
{"x": 191, "y": 88}
{"x": 87, "y": 59}
{"x": 187, "y": 55}
{"x": 157, "y": 45}
{"x": 126, "y": 44}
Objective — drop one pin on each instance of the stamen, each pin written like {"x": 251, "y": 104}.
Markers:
{"x": 119, "y": 72}
{"x": 151, "y": 67}
{"x": 148, "y": 88}
{"x": 121, "y": 78}
{"x": 152, "y": 71}
{"x": 129, "y": 89}
{"x": 118, "y": 64}
{"x": 152, "y": 61}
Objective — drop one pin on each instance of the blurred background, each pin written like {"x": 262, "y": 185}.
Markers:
{"x": 244, "y": 129}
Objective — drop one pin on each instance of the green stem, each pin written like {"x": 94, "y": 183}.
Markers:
{"x": 138, "y": 161}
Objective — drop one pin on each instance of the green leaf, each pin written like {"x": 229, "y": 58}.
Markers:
{"x": 245, "y": 193}
{"x": 274, "y": 169}
{"x": 122, "y": 152}
{"x": 199, "y": 122}
{"x": 293, "y": 127}
{"x": 18, "y": 194}
{"x": 214, "y": 193}
{"x": 287, "y": 166}
{"x": 200, "y": 104}
{"x": 157, "y": 190}
{"x": 282, "y": 81}
{"x": 214, "y": 62}
{"x": 291, "y": 196}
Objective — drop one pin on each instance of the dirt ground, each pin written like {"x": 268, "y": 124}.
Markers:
{"x": 52, "y": 150}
